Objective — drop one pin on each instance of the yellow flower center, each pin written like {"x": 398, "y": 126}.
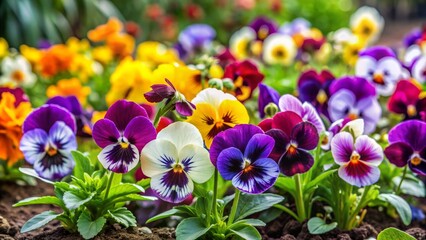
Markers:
{"x": 247, "y": 166}
{"x": 51, "y": 151}
{"x": 263, "y": 32}
{"x": 378, "y": 78}
{"x": 18, "y": 75}
{"x": 416, "y": 160}
{"x": 352, "y": 116}
{"x": 256, "y": 48}
{"x": 292, "y": 148}
{"x": 178, "y": 168}
{"x": 279, "y": 52}
{"x": 411, "y": 110}
{"x": 322, "y": 96}
{"x": 124, "y": 144}
{"x": 355, "y": 157}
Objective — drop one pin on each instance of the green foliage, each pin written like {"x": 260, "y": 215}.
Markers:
{"x": 400, "y": 205}
{"x": 394, "y": 234}
{"x": 90, "y": 200}
{"x": 317, "y": 225}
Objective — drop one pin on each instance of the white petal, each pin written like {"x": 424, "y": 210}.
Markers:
{"x": 110, "y": 161}
{"x": 277, "y": 40}
{"x": 365, "y": 66}
{"x": 181, "y": 134}
{"x": 243, "y": 36}
{"x": 212, "y": 96}
{"x": 158, "y": 156}
{"x": 392, "y": 66}
{"x": 356, "y": 127}
{"x": 411, "y": 54}
{"x": 418, "y": 70}
{"x": 197, "y": 160}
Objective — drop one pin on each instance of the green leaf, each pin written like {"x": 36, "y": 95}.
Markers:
{"x": 124, "y": 189}
{"x": 247, "y": 232}
{"x": 73, "y": 201}
{"x": 123, "y": 216}
{"x": 144, "y": 183}
{"x": 319, "y": 179}
{"x": 394, "y": 234}
{"x": 249, "y": 221}
{"x": 286, "y": 184}
{"x": 400, "y": 205}
{"x": 191, "y": 229}
{"x": 39, "y": 220}
{"x": 39, "y": 200}
{"x": 82, "y": 164}
{"x": 163, "y": 215}
{"x": 318, "y": 226}
{"x": 88, "y": 228}
{"x": 250, "y": 204}
{"x": 134, "y": 197}
{"x": 414, "y": 187}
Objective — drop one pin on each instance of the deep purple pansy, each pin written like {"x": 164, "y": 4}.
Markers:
{"x": 241, "y": 155}
{"x": 266, "y": 95}
{"x": 122, "y": 134}
{"x": 294, "y": 138}
{"x": 408, "y": 145}
{"x": 358, "y": 158}
{"x": 353, "y": 98}
{"x": 263, "y": 27}
{"x": 407, "y": 100}
{"x": 49, "y": 138}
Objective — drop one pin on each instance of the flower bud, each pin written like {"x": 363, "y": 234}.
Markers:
{"x": 228, "y": 84}
{"x": 216, "y": 83}
{"x": 271, "y": 109}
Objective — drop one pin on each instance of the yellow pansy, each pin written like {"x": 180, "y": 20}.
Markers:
{"x": 241, "y": 41}
{"x": 78, "y": 46}
{"x": 33, "y": 55}
{"x": 367, "y": 23}
{"x": 102, "y": 54}
{"x": 155, "y": 53}
{"x": 69, "y": 87}
{"x": 351, "y": 50}
{"x": 279, "y": 49}
{"x": 4, "y": 48}
{"x": 215, "y": 112}
{"x": 82, "y": 66}
{"x": 130, "y": 80}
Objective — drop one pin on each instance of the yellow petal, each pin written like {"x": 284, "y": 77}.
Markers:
{"x": 204, "y": 118}
{"x": 233, "y": 112}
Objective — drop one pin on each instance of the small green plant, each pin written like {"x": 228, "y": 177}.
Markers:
{"x": 90, "y": 200}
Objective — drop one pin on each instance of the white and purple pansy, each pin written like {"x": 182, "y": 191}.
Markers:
{"x": 358, "y": 158}
{"x": 49, "y": 138}
{"x": 175, "y": 160}
{"x": 381, "y": 67}
{"x": 122, "y": 134}
{"x": 241, "y": 155}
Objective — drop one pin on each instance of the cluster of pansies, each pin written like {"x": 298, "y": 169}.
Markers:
{"x": 194, "y": 118}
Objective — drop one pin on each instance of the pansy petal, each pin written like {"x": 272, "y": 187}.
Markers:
{"x": 212, "y": 96}
{"x": 399, "y": 153}
{"x": 299, "y": 161}
{"x": 342, "y": 146}
{"x": 419, "y": 168}
{"x": 181, "y": 134}
{"x": 233, "y": 112}
{"x": 260, "y": 176}
{"x": 54, "y": 167}
{"x": 140, "y": 131}
{"x": 45, "y": 116}
{"x": 184, "y": 108}
{"x": 196, "y": 163}
{"x": 230, "y": 162}
{"x": 370, "y": 111}
{"x": 32, "y": 145}
{"x": 172, "y": 186}
{"x": 308, "y": 90}
{"x": 290, "y": 103}
{"x": 281, "y": 141}
{"x": 369, "y": 150}
{"x": 311, "y": 115}
{"x": 306, "y": 135}
{"x": 340, "y": 104}
{"x": 259, "y": 146}
{"x": 286, "y": 121}
{"x": 359, "y": 174}
{"x": 105, "y": 133}
{"x": 123, "y": 111}
{"x": 203, "y": 119}
{"x": 158, "y": 156}
{"x": 62, "y": 137}
{"x": 412, "y": 132}
{"x": 118, "y": 159}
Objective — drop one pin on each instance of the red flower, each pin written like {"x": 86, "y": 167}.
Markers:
{"x": 406, "y": 100}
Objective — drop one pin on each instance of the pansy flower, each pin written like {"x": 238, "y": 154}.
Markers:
{"x": 49, "y": 138}
{"x": 246, "y": 78}
{"x": 194, "y": 39}
{"x": 263, "y": 27}
{"x": 160, "y": 92}
{"x": 298, "y": 25}
{"x": 354, "y": 97}
{"x": 351, "y": 49}
{"x": 241, "y": 43}
{"x": 406, "y": 100}
{"x": 122, "y": 134}
{"x": 308, "y": 113}
{"x": 266, "y": 95}
{"x": 216, "y": 111}
{"x": 241, "y": 155}
{"x": 314, "y": 87}
{"x": 367, "y": 23}
{"x": 17, "y": 72}
{"x": 408, "y": 146}
{"x": 355, "y": 127}
{"x": 175, "y": 160}
{"x": 358, "y": 158}
{"x": 279, "y": 49}
{"x": 225, "y": 57}
{"x": 294, "y": 138}
{"x": 380, "y": 66}
{"x": 418, "y": 68}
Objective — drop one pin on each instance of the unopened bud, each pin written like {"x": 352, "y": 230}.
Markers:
{"x": 216, "y": 83}
{"x": 271, "y": 109}
{"x": 228, "y": 84}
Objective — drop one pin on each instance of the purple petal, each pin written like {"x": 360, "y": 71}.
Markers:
{"x": 259, "y": 146}
{"x": 412, "y": 132}
{"x": 369, "y": 150}
{"x": 260, "y": 176}
{"x": 185, "y": 108}
{"x": 281, "y": 141}
{"x": 266, "y": 95}
{"x": 230, "y": 162}
{"x": 342, "y": 146}
{"x": 118, "y": 159}
{"x": 32, "y": 145}
{"x": 122, "y": 112}
{"x": 63, "y": 138}
{"x": 340, "y": 104}
{"x": 370, "y": 111}
{"x": 311, "y": 115}
{"x": 172, "y": 186}
{"x": 238, "y": 137}
{"x": 299, "y": 161}
{"x": 306, "y": 135}
{"x": 105, "y": 133}
{"x": 418, "y": 168}
{"x": 308, "y": 90}
{"x": 399, "y": 153}
{"x": 140, "y": 131}
{"x": 45, "y": 116}
{"x": 290, "y": 103}
{"x": 359, "y": 87}
{"x": 359, "y": 174}
{"x": 286, "y": 121}
{"x": 70, "y": 103}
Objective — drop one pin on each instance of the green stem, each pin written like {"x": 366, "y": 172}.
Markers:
{"x": 287, "y": 210}
{"x": 402, "y": 179}
{"x": 300, "y": 205}
{"x": 234, "y": 207}
{"x": 214, "y": 206}
{"x": 352, "y": 218}
{"x": 111, "y": 177}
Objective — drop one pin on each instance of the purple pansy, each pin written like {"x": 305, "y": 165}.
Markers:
{"x": 82, "y": 117}
{"x": 408, "y": 146}
{"x": 418, "y": 69}
{"x": 266, "y": 95}
{"x": 122, "y": 134}
{"x": 241, "y": 155}
{"x": 49, "y": 138}
{"x": 298, "y": 25}
{"x": 194, "y": 39}
{"x": 308, "y": 113}
{"x": 294, "y": 138}
{"x": 175, "y": 160}
{"x": 381, "y": 67}
{"x": 354, "y": 97}
{"x": 263, "y": 27}
{"x": 358, "y": 158}
{"x": 412, "y": 37}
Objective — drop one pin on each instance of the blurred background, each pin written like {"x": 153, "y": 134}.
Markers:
{"x": 32, "y": 21}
